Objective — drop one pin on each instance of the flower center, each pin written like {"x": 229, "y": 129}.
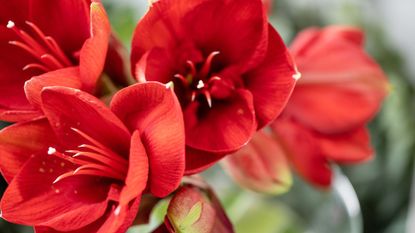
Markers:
{"x": 201, "y": 83}
{"x": 48, "y": 54}
{"x": 93, "y": 159}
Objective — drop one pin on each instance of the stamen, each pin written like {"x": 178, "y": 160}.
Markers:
{"x": 213, "y": 79}
{"x": 52, "y": 151}
{"x": 87, "y": 171}
{"x": 40, "y": 46}
{"x": 24, "y": 47}
{"x": 100, "y": 173}
{"x": 51, "y": 43}
{"x": 114, "y": 157}
{"x": 34, "y": 66}
{"x": 192, "y": 67}
{"x": 96, "y": 143}
{"x": 58, "y": 51}
{"x": 51, "y": 61}
{"x": 29, "y": 41}
{"x": 63, "y": 176}
{"x": 182, "y": 78}
{"x": 193, "y": 96}
{"x": 208, "y": 63}
{"x": 208, "y": 98}
{"x": 97, "y": 167}
{"x": 99, "y": 158}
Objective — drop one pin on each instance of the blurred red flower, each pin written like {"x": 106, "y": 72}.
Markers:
{"x": 84, "y": 167}
{"x": 58, "y": 43}
{"x": 340, "y": 91}
{"x": 231, "y": 71}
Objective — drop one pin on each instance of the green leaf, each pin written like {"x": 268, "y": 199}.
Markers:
{"x": 191, "y": 218}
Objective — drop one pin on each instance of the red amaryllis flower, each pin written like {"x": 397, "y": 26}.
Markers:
{"x": 340, "y": 91}
{"x": 61, "y": 43}
{"x": 231, "y": 71}
{"x": 85, "y": 167}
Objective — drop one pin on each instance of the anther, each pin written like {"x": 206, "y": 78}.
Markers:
{"x": 200, "y": 84}
{"x": 51, "y": 151}
{"x": 10, "y": 24}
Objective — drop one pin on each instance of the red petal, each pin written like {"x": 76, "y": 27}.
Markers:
{"x": 119, "y": 223}
{"x": 225, "y": 127}
{"x": 94, "y": 50}
{"x": 19, "y": 141}
{"x": 198, "y": 161}
{"x": 16, "y": 10}
{"x": 68, "y": 108}
{"x": 341, "y": 88}
{"x": 155, "y": 112}
{"x": 137, "y": 175}
{"x": 68, "y": 77}
{"x": 33, "y": 199}
{"x": 19, "y": 115}
{"x": 350, "y": 147}
{"x": 261, "y": 166}
{"x": 303, "y": 152}
{"x": 154, "y": 31}
{"x": 103, "y": 224}
{"x": 272, "y": 82}
{"x": 156, "y": 65}
{"x": 238, "y": 29}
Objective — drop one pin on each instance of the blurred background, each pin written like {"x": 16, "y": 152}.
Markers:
{"x": 376, "y": 197}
